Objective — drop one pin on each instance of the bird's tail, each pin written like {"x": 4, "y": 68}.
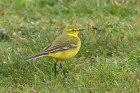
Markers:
{"x": 34, "y": 56}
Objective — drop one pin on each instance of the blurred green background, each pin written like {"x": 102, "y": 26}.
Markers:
{"x": 109, "y": 58}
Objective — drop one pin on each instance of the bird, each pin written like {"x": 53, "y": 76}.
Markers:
{"x": 63, "y": 48}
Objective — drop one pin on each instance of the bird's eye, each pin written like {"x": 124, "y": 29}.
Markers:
{"x": 73, "y": 30}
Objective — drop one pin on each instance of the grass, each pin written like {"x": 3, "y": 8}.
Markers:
{"x": 108, "y": 61}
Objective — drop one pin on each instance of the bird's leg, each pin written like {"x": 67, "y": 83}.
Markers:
{"x": 55, "y": 68}
{"x": 60, "y": 66}
{"x": 63, "y": 71}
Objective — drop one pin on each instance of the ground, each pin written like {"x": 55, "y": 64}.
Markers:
{"x": 109, "y": 58}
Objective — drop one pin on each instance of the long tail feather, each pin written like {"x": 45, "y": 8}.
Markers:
{"x": 34, "y": 56}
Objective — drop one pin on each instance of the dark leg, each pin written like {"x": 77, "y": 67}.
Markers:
{"x": 60, "y": 66}
{"x": 64, "y": 72}
{"x": 55, "y": 68}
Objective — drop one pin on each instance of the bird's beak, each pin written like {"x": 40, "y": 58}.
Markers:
{"x": 81, "y": 29}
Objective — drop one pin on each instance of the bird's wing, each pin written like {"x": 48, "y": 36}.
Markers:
{"x": 60, "y": 44}
{"x": 56, "y": 48}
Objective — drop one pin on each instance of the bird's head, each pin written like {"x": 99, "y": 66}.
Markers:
{"x": 72, "y": 30}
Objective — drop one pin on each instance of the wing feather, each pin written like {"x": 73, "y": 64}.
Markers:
{"x": 56, "y": 48}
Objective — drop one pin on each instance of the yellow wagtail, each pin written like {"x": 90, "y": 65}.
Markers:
{"x": 64, "y": 47}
